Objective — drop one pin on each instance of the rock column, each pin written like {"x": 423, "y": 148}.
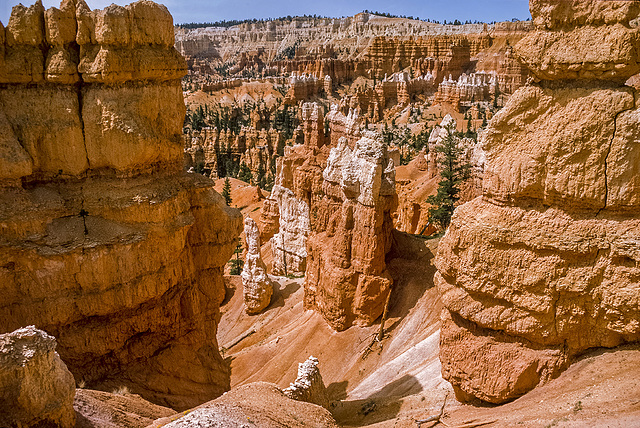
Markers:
{"x": 545, "y": 265}
{"x": 255, "y": 281}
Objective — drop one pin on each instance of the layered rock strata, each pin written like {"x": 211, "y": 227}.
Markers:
{"x": 257, "y": 149}
{"x": 36, "y": 388}
{"x": 255, "y": 281}
{"x": 296, "y": 190}
{"x": 346, "y": 277}
{"x": 468, "y": 89}
{"x": 308, "y": 385}
{"x": 106, "y": 243}
{"x": 303, "y": 86}
{"x": 545, "y": 265}
{"x": 334, "y": 196}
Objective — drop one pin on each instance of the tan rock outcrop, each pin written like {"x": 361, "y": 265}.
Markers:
{"x": 335, "y": 197}
{"x": 545, "y": 264}
{"x": 308, "y": 385}
{"x": 255, "y": 281}
{"x": 36, "y": 388}
{"x": 297, "y": 188}
{"x": 289, "y": 244}
{"x": 346, "y": 277}
{"x": 600, "y": 44}
{"x": 302, "y": 86}
{"x": 106, "y": 243}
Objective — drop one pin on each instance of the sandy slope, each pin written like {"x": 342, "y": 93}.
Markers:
{"x": 400, "y": 382}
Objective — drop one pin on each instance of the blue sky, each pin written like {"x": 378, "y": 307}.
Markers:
{"x": 214, "y": 10}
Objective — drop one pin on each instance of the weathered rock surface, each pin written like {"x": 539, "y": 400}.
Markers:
{"x": 308, "y": 386}
{"x": 582, "y": 40}
{"x": 297, "y": 187}
{"x": 289, "y": 244}
{"x": 545, "y": 264}
{"x": 259, "y": 404}
{"x": 202, "y": 148}
{"x": 346, "y": 278}
{"x": 256, "y": 283}
{"x": 118, "y": 409}
{"x": 36, "y": 388}
{"x": 335, "y": 197}
{"x": 106, "y": 244}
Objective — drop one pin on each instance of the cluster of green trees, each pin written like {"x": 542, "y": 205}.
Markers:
{"x": 237, "y": 263}
{"x": 289, "y": 52}
{"x": 222, "y": 117}
{"x": 230, "y": 23}
{"x": 409, "y": 144}
{"x": 454, "y": 170}
{"x": 233, "y": 22}
{"x": 283, "y": 118}
{"x": 223, "y": 68}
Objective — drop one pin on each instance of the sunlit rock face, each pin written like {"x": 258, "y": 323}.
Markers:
{"x": 36, "y": 388}
{"x": 106, "y": 244}
{"x": 347, "y": 280}
{"x": 546, "y": 263}
{"x": 255, "y": 281}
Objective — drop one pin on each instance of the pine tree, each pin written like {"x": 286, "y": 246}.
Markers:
{"x": 260, "y": 177}
{"x": 226, "y": 191}
{"x": 454, "y": 169}
{"x": 245, "y": 173}
{"x": 237, "y": 263}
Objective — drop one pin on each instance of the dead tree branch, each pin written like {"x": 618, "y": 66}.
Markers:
{"x": 434, "y": 418}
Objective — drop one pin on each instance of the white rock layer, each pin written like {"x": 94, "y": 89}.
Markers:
{"x": 308, "y": 386}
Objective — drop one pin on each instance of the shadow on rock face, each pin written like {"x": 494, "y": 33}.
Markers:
{"x": 380, "y": 406}
{"x": 282, "y": 293}
{"x": 337, "y": 390}
{"x": 410, "y": 263}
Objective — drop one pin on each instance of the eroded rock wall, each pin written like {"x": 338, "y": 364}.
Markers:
{"x": 346, "y": 277}
{"x": 106, "y": 244}
{"x": 332, "y": 202}
{"x": 257, "y": 286}
{"x": 545, "y": 265}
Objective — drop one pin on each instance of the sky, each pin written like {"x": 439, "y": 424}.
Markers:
{"x": 184, "y": 11}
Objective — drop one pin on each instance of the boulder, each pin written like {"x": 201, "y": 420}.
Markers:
{"x": 36, "y": 388}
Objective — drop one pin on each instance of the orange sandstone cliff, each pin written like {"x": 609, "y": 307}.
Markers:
{"x": 332, "y": 204}
{"x": 545, "y": 264}
{"x": 105, "y": 242}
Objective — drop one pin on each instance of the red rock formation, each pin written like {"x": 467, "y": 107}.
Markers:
{"x": 257, "y": 149}
{"x": 106, "y": 243}
{"x": 339, "y": 70}
{"x": 467, "y": 90}
{"x": 302, "y": 86}
{"x": 438, "y": 55}
{"x": 313, "y": 125}
{"x": 545, "y": 264}
{"x": 341, "y": 126}
{"x": 346, "y": 276}
{"x": 256, "y": 284}
{"x": 335, "y": 217}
